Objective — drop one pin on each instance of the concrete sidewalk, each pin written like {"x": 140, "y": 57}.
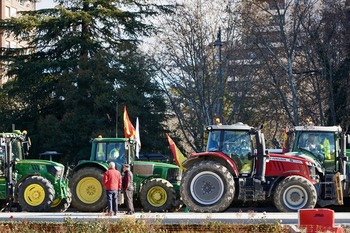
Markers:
{"x": 172, "y": 218}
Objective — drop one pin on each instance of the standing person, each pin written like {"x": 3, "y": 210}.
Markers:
{"x": 112, "y": 180}
{"x": 128, "y": 188}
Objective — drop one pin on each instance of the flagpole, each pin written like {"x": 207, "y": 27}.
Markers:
{"x": 116, "y": 120}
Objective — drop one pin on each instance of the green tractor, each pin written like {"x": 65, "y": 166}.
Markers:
{"x": 156, "y": 184}
{"x": 327, "y": 146}
{"x": 33, "y": 185}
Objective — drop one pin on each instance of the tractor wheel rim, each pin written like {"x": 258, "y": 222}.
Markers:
{"x": 56, "y": 202}
{"x": 89, "y": 190}
{"x": 207, "y": 188}
{"x": 34, "y": 194}
{"x": 295, "y": 197}
{"x": 157, "y": 196}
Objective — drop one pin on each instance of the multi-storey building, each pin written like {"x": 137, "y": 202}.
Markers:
{"x": 10, "y": 8}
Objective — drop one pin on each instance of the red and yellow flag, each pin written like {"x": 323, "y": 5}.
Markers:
{"x": 129, "y": 130}
{"x": 178, "y": 156}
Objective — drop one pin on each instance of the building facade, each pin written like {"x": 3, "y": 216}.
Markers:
{"x": 11, "y": 8}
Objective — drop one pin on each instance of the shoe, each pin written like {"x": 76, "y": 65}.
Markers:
{"x": 129, "y": 213}
{"x": 109, "y": 214}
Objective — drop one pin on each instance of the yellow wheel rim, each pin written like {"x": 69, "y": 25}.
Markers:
{"x": 34, "y": 195}
{"x": 56, "y": 202}
{"x": 157, "y": 196}
{"x": 89, "y": 190}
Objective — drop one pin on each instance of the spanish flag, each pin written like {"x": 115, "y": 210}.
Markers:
{"x": 129, "y": 130}
{"x": 178, "y": 156}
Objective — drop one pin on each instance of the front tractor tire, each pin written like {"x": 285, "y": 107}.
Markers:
{"x": 207, "y": 187}
{"x": 294, "y": 193}
{"x": 88, "y": 193}
{"x": 158, "y": 195}
{"x": 36, "y": 194}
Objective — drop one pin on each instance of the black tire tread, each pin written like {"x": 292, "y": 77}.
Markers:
{"x": 170, "y": 203}
{"x": 78, "y": 204}
{"x": 218, "y": 168}
{"x": 49, "y": 194}
{"x": 293, "y": 180}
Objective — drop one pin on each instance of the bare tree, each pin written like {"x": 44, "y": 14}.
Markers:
{"x": 328, "y": 56}
{"x": 273, "y": 62}
{"x": 275, "y": 29}
{"x": 192, "y": 63}
{"x": 304, "y": 48}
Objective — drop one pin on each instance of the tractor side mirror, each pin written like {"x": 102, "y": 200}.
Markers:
{"x": 250, "y": 156}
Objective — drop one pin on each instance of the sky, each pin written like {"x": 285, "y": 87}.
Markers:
{"x": 45, "y": 4}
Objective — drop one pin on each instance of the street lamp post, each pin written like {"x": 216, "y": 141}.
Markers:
{"x": 218, "y": 44}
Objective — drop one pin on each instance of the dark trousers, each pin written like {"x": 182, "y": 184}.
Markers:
{"x": 128, "y": 196}
{"x": 112, "y": 201}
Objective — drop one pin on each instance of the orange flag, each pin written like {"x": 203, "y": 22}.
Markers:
{"x": 129, "y": 130}
{"x": 178, "y": 156}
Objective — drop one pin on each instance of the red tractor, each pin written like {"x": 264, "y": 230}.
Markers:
{"x": 236, "y": 166}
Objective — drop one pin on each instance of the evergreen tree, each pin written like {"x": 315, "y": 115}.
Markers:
{"x": 80, "y": 59}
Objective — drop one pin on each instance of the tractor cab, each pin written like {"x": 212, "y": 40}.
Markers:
{"x": 118, "y": 150}
{"x": 20, "y": 144}
{"x": 235, "y": 141}
{"x": 320, "y": 143}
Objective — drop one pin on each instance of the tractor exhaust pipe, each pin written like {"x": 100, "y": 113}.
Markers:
{"x": 261, "y": 156}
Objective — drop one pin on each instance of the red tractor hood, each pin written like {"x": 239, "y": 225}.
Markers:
{"x": 293, "y": 163}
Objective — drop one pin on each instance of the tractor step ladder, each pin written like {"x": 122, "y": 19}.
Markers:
{"x": 251, "y": 190}
{"x": 329, "y": 186}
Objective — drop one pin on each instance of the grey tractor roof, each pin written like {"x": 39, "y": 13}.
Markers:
{"x": 313, "y": 128}
{"x": 236, "y": 126}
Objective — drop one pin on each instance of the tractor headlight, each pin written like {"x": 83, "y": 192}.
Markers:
{"x": 56, "y": 171}
{"x": 174, "y": 175}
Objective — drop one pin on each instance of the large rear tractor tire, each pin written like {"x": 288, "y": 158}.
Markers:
{"x": 158, "y": 195}
{"x": 88, "y": 193}
{"x": 294, "y": 193}
{"x": 207, "y": 187}
{"x": 36, "y": 194}
{"x": 61, "y": 205}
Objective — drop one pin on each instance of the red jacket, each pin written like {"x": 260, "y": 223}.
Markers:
{"x": 112, "y": 179}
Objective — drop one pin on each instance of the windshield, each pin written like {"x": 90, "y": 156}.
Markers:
{"x": 17, "y": 150}
{"x": 114, "y": 151}
{"x": 235, "y": 144}
{"x": 320, "y": 144}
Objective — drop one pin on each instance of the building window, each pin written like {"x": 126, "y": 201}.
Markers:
{"x": 13, "y": 12}
{"x": 7, "y": 12}
{"x": 13, "y": 44}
